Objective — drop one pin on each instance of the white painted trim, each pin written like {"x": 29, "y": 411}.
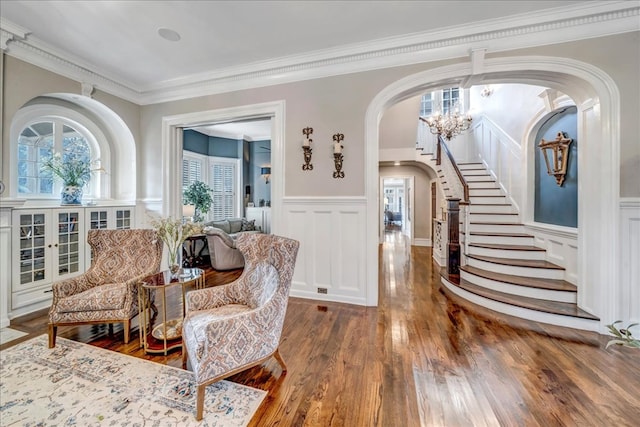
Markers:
{"x": 598, "y": 241}
{"x": 551, "y": 26}
{"x": 628, "y": 291}
{"x": 172, "y": 152}
{"x": 422, "y": 242}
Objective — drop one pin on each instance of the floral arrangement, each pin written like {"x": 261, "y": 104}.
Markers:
{"x": 173, "y": 232}
{"x": 624, "y": 336}
{"x": 72, "y": 170}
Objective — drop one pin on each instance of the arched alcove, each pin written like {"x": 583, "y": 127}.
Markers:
{"x": 597, "y": 100}
{"x": 117, "y": 145}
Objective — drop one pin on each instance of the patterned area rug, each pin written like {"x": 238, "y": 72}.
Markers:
{"x": 79, "y": 384}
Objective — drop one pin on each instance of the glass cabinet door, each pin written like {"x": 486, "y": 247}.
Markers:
{"x": 33, "y": 247}
{"x": 123, "y": 218}
{"x": 69, "y": 257}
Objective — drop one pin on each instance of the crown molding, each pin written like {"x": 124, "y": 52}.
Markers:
{"x": 588, "y": 20}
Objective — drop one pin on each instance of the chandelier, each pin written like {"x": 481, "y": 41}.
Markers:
{"x": 448, "y": 125}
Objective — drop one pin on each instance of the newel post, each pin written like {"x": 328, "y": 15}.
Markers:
{"x": 453, "y": 220}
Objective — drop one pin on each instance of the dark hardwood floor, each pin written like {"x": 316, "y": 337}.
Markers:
{"x": 422, "y": 358}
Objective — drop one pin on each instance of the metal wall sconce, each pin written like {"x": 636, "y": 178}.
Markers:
{"x": 337, "y": 155}
{"x": 306, "y": 147}
{"x": 556, "y": 155}
{"x": 266, "y": 174}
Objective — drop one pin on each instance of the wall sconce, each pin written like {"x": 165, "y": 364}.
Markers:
{"x": 556, "y": 155}
{"x": 337, "y": 155}
{"x": 306, "y": 147}
{"x": 266, "y": 174}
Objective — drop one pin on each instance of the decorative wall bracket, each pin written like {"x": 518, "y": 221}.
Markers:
{"x": 337, "y": 155}
{"x": 306, "y": 147}
{"x": 556, "y": 155}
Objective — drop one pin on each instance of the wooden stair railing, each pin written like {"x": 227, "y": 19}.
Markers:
{"x": 465, "y": 186}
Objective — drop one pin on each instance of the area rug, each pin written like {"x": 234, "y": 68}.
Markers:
{"x": 8, "y": 335}
{"x": 83, "y": 385}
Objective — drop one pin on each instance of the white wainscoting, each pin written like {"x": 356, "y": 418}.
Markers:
{"x": 502, "y": 156}
{"x": 561, "y": 244}
{"x": 331, "y": 232}
{"x": 628, "y": 298}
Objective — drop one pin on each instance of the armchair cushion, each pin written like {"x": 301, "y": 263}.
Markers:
{"x": 110, "y": 296}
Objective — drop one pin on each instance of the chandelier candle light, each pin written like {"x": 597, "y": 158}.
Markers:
{"x": 448, "y": 125}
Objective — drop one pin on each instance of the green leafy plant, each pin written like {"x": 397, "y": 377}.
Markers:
{"x": 624, "y": 336}
{"x": 198, "y": 194}
{"x": 72, "y": 170}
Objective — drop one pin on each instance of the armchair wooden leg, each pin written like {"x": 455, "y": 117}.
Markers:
{"x": 280, "y": 360}
{"x": 200, "y": 401}
{"x": 184, "y": 356}
{"x": 127, "y": 330}
{"x": 53, "y": 330}
{"x": 110, "y": 329}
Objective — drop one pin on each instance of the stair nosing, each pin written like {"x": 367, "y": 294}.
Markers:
{"x": 498, "y": 234}
{"x": 515, "y": 262}
{"x": 538, "y": 283}
{"x": 507, "y": 247}
{"x": 533, "y": 303}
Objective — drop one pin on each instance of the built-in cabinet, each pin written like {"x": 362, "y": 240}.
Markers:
{"x": 262, "y": 217}
{"x": 49, "y": 244}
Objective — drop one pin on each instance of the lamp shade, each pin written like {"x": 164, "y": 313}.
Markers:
{"x": 188, "y": 211}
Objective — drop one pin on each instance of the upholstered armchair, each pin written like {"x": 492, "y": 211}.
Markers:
{"x": 230, "y": 328}
{"x": 108, "y": 291}
{"x": 222, "y": 250}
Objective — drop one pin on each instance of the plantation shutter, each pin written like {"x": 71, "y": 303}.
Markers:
{"x": 224, "y": 190}
{"x": 191, "y": 172}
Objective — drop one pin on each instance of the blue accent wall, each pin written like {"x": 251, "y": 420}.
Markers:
{"x": 555, "y": 204}
{"x": 225, "y": 147}
{"x": 195, "y": 141}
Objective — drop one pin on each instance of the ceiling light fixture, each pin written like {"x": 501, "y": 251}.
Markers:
{"x": 169, "y": 34}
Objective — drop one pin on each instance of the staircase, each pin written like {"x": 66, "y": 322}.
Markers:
{"x": 503, "y": 270}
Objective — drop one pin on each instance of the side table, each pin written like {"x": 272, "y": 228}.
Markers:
{"x": 166, "y": 335}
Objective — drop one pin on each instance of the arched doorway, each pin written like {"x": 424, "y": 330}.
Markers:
{"x": 597, "y": 101}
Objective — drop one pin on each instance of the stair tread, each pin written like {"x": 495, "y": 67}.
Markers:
{"x": 491, "y": 195}
{"x": 491, "y": 204}
{"x": 508, "y": 247}
{"x": 532, "y": 263}
{"x": 493, "y": 213}
{"x": 498, "y": 234}
{"x": 493, "y": 223}
{"x": 530, "y": 282}
{"x": 545, "y": 306}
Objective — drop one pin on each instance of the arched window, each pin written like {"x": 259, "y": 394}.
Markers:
{"x": 39, "y": 140}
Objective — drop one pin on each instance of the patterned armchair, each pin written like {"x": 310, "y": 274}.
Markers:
{"x": 230, "y": 328}
{"x": 108, "y": 291}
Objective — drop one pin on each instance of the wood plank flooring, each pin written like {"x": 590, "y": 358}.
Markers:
{"x": 422, "y": 358}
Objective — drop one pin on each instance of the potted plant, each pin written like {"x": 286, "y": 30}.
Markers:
{"x": 73, "y": 170}
{"x": 623, "y": 336}
{"x": 198, "y": 194}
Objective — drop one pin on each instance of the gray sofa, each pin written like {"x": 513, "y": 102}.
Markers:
{"x": 221, "y": 237}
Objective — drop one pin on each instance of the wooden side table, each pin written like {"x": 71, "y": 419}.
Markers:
{"x": 166, "y": 335}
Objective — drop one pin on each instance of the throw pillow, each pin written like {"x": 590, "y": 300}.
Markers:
{"x": 248, "y": 225}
